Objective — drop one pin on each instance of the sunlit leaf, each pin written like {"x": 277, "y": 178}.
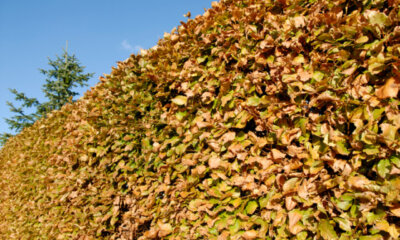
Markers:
{"x": 180, "y": 100}
{"x": 326, "y": 230}
{"x": 251, "y": 207}
{"x": 383, "y": 167}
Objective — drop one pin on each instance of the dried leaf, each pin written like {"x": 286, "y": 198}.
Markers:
{"x": 214, "y": 162}
{"x": 165, "y": 229}
{"x": 250, "y": 234}
{"x": 390, "y": 89}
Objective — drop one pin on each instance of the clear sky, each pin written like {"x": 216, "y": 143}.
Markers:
{"x": 99, "y": 33}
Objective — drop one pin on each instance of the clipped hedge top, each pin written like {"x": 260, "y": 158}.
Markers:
{"x": 259, "y": 119}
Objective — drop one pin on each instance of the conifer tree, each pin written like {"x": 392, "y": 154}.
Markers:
{"x": 64, "y": 74}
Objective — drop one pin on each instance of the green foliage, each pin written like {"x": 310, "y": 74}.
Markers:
{"x": 22, "y": 119}
{"x": 4, "y": 137}
{"x": 64, "y": 74}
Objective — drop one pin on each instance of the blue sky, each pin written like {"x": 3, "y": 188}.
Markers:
{"x": 99, "y": 33}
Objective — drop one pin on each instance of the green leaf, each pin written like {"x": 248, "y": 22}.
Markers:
{"x": 263, "y": 202}
{"x": 242, "y": 118}
{"x": 202, "y": 59}
{"x": 226, "y": 98}
{"x": 383, "y": 167}
{"x": 253, "y": 101}
{"x": 372, "y": 217}
{"x": 301, "y": 123}
{"x": 180, "y": 115}
{"x": 289, "y": 77}
{"x": 251, "y": 207}
{"x": 395, "y": 160}
{"x": 299, "y": 59}
{"x": 235, "y": 227}
{"x": 341, "y": 148}
{"x": 301, "y": 235}
{"x": 376, "y": 67}
{"x": 180, "y": 100}
{"x": 362, "y": 39}
{"x": 236, "y": 202}
{"x": 345, "y": 202}
{"x": 180, "y": 149}
{"x": 377, "y": 113}
{"x": 344, "y": 223}
{"x": 271, "y": 59}
{"x": 326, "y": 230}
{"x": 377, "y": 18}
{"x": 371, "y": 149}
{"x": 318, "y": 76}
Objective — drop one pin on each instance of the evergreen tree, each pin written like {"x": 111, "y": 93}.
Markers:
{"x": 65, "y": 74}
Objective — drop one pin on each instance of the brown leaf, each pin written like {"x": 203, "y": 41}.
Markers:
{"x": 276, "y": 154}
{"x": 304, "y": 75}
{"x": 188, "y": 160}
{"x": 390, "y": 89}
{"x": 294, "y": 218}
{"x": 214, "y": 145}
{"x": 165, "y": 229}
{"x": 214, "y": 162}
{"x": 299, "y": 21}
{"x": 227, "y": 137}
{"x": 250, "y": 234}
{"x": 290, "y": 203}
{"x": 199, "y": 170}
{"x": 358, "y": 182}
{"x": 395, "y": 210}
{"x": 350, "y": 70}
{"x": 151, "y": 234}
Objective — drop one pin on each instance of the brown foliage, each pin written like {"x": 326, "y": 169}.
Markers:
{"x": 259, "y": 119}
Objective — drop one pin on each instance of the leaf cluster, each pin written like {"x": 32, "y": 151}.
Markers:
{"x": 257, "y": 120}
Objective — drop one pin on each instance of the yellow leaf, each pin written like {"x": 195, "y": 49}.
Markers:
{"x": 395, "y": 210}
{"x": 180, "y": 100}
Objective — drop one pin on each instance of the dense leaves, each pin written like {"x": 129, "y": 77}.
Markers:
{"x": 258, "y": 120}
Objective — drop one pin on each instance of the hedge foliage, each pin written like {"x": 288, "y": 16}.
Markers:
{"x": 259, "y": 119}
